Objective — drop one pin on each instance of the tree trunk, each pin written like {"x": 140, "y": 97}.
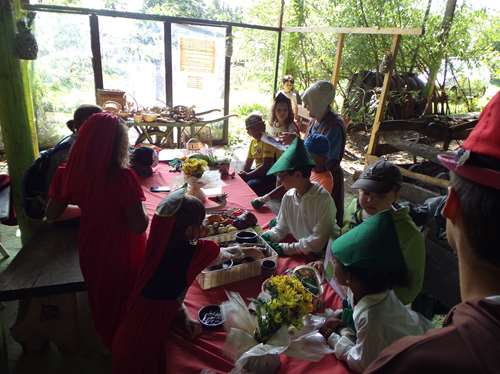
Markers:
{"x": 16, "y": 112}
{"x": 436, "y": 64}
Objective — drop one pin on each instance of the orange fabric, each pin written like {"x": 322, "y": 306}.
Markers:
{"x": 324, "y": 179}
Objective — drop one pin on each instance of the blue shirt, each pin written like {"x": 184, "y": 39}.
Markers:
{"x": 333, "y": 128}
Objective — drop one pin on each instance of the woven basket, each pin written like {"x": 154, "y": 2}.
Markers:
{"x": 110, "y": 95}
{"x": 215, "y": 278}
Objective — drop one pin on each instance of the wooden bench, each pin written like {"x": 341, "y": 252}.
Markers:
{"x": 47, "y": 265}
{"x": 44, "y": 277}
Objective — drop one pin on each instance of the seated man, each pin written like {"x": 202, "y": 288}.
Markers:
{"x": 60, "y": 152}
{"x": 307, "y": 210}
{"x": 264, "y": 156}
{"x": 378, "y": 190}
{"x": 38, "y": 177}
{"x": 469, "y": 341}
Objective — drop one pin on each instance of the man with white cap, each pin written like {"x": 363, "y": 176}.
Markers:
{"x": 469, "y": 341}
{"x": 317, "y": 99}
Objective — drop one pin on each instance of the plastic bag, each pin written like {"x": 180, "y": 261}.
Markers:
{"x": 253, "y": 357}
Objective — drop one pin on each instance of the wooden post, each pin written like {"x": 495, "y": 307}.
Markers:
{"x": 227, "y": 82}
{"x": 167, "y": 40}
{"x": 383, "y": 96}
{"x": 95, "y": 46}
{"x": 278, "y": 49}
{"x": 338, "y": 59}
{"x": 18, "y": 131}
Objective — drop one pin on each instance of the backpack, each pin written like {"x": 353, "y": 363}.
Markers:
{"x": 36, "y": 181}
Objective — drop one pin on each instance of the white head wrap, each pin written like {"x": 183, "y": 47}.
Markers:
{"x": 318, "y": 98}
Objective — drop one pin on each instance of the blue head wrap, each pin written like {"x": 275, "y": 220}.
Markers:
{"x": 317, "y": 144}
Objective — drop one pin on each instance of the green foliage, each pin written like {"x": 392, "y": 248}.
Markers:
{"x": 236, "y": 137}
{"x": 245, "y": 109}
{"x": 473, "y": 39}
{"x": 214, "y": 10}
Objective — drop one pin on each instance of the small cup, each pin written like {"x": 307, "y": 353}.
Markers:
{"x": 268, "y": 268}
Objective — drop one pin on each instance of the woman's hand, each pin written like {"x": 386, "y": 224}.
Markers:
{"x": 331, "y": 324}
{"x": 193, "y": 328}
{"x": 287, "y": 138}
{"x": 243, "y": 175}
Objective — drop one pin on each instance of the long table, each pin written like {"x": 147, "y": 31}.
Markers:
{"x": 185, "y": 356}
{"x": 48, "y": 265}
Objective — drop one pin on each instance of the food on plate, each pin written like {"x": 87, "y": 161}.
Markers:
{"x": 245, "y": 220}
{"x": 309, "y": 278}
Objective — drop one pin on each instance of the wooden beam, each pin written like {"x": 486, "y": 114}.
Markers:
{"x": 278, "y": 49}
{"x": 358, "y": 30}
{"x": 142, "y": 16}
{"x": 227, "y": 84}
{"x": 95, "y": 46}
{"x": 383, "y": 96}
{"x": 415, "y": 194}
{"x": 167, "y": 42}
{"x": 338, "y": 59}
{"x": 417, "y": 176}
{"x": 422, "y": 150}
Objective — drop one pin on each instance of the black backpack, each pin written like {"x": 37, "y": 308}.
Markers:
{"x": 36, "y": 181}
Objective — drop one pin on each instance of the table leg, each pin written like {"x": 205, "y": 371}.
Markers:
{"x": 179, "y": 137}
{"x": 4, "y": 356}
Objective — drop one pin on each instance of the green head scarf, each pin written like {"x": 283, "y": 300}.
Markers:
{"x": 373, "y": 244}
{"x": 295, "y": 157}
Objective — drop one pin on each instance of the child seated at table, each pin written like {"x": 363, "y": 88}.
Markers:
{"x": 378, "y": 190}
{"x": 174, "y": 257}
{"x": 307, "y": 210}
{"x": 264, "y": 156}
{"x": 369, "y": 263}
{"x": 143, "y": 160}
{"x": 282, "y": 118}
{"x": 317, "y": 146}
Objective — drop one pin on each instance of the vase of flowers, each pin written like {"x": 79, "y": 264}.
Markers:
{"x": 280, "y": 324}
{"x": 287, "y": 303}
{"x": 193, "y": 170}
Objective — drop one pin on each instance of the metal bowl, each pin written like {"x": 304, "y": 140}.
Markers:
{"x": 224, "y": 265}
{"x": 246, "y": 237}
{"x": 210, "y": 316}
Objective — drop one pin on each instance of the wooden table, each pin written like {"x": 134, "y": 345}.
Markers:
{"x": 161, "y": 133}
{"x": 45, "y": 275}
{"x": 47, "y": 265}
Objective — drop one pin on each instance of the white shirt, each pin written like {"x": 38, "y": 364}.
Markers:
{"x": 380, "y": 319}
{"x": 310, "y": 218}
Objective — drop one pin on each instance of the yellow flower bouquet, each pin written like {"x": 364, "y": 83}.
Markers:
{"x": 288, "y": 304}
{"x": 281, "y": 323}
{"x": 193, "y": 167}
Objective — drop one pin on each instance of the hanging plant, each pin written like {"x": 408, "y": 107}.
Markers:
{"x": 26, "y": 45}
